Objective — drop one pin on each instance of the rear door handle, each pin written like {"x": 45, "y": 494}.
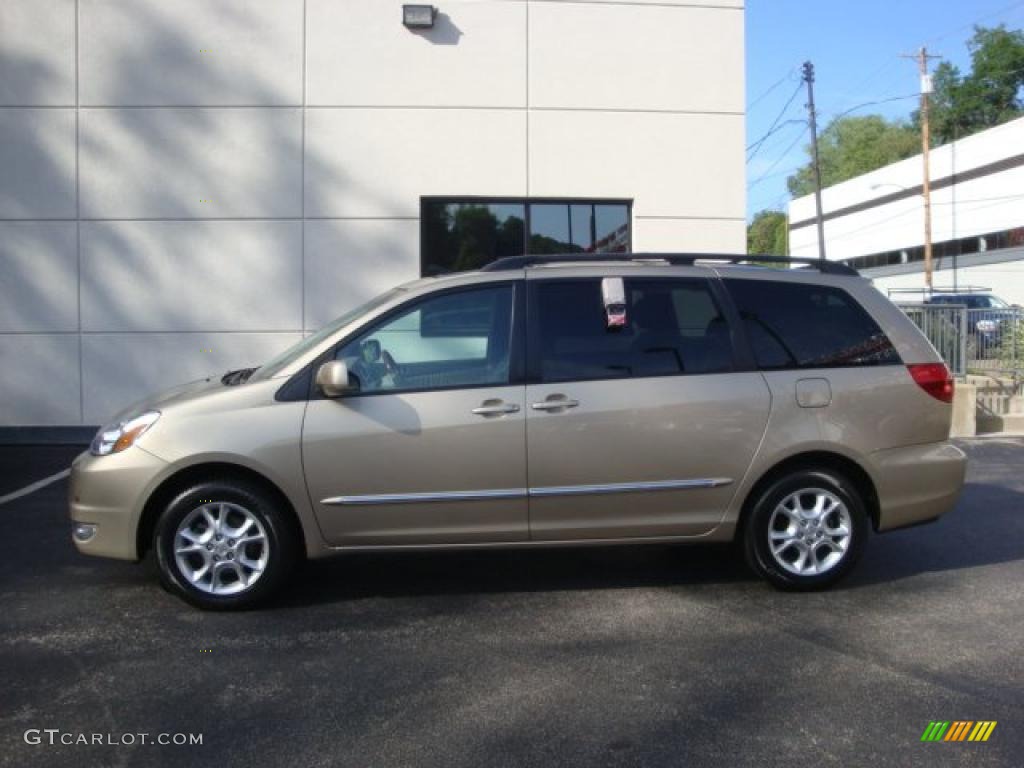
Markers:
{"x": 490, "y": 408}
{"x": 555, "y": 405}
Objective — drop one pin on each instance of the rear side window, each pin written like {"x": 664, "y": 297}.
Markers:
{"x": 793, "y": 325}
{"x": 673, "y": 327}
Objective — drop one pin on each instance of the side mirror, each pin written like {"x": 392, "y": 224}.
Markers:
{"x": 332, "y": 379}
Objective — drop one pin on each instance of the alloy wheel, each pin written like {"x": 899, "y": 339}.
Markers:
{"x": 221, "y": 548}
{"x": 809, "y": 532}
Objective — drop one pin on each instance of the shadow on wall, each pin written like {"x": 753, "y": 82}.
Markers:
{"x": 192, "y": 240}
{"x": 444, "y": 32}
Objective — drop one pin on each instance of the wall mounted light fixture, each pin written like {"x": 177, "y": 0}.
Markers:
{"x": 418, "y": 16}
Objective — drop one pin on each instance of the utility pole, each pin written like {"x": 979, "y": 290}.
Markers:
{"x": 922, "y": 58}
{"x": 809, "y": 79}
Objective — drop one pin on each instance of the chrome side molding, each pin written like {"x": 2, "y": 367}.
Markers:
{"x": 424, "y": 498}
{"x": 652, "y": 485}
{"x": 521, "y": 493}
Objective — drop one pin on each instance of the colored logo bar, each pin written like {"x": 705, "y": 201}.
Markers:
{"x": 958, "y": 730}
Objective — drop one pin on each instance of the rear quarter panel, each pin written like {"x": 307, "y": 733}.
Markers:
{"x": 873, "y": 408}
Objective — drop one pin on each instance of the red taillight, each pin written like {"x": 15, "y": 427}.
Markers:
{"x": 935, "y": 379}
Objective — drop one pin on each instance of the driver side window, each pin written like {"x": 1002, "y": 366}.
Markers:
{"x": 454, "y": 340}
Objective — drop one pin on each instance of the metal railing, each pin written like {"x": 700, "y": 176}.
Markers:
{"x": 989, "y": 341}
{"x": 945, "y": 325}
{"x": 995, "y": 340}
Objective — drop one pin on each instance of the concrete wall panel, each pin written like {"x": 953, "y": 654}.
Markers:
{"x": 191, "y": 52}
{"x": 40, "y": 383}
{"x": 662, "y": 58}
{"x": 378, "y": 162}
{"x": 37, "y": 163}
{"x": 191, "y": 163}
{"x": 192, "y": 276}
{"x": 690, "y": 235}
{"x": 38, "y": 276}
{"x": 475, "y": 55}
{"x": 350, "y": 262}
{"x": 663, "y": 161}
{"x": 37, "y": 52}
{"x": 119, "y": 369}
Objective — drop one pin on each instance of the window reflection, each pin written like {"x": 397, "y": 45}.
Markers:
{"x": 466, "y": 235}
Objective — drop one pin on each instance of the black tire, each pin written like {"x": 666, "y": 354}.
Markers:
{"x": 232, "y": 500}
{"x": 762, "y": 519}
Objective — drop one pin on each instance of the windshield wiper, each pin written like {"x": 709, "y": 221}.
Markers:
{"x": 237, "y": 377}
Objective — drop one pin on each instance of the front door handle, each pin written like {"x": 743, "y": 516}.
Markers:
{"x": 495, "y": 408}
{"x": 555, "y": 403}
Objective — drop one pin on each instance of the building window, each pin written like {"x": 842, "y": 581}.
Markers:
{"x": 459, "y": 235}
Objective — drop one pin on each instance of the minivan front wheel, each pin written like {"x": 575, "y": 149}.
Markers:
{"x": 223, "y": 545}
{"x": 806, "y": 530}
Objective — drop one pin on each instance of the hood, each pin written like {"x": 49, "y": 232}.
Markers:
{"x": 178, "y": 394}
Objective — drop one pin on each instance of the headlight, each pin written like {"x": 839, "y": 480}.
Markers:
{"x": 116, "y": 437}
{"x": 986, "y": 326}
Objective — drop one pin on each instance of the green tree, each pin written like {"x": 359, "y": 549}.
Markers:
{"x": 988, "y": 96}
{"x": 766, "y": 234}
{"x": 851, "y": 146}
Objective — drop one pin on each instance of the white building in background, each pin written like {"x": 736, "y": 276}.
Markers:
{"x": 190, "y": 186}
{"x": 875, "y": 222}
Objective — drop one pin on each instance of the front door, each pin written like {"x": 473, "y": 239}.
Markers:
{"x": 431, "y": 448}
{"x": 643, "y": 430}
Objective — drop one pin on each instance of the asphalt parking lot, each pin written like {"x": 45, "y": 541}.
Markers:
{"x": 662, "y": 656}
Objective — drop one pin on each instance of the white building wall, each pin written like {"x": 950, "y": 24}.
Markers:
{"x": 1005, "y": 280}
{"x": 976, "y": 206}
{"x": 190, "y": 186}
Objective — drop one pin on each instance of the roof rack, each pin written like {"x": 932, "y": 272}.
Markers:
{"x": 675, "y": 259}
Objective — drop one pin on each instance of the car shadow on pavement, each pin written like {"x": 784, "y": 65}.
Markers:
{"x": 363, "y": 575}
{"x": 985, "y": 528}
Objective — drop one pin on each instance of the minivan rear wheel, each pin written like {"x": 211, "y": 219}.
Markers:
{"x": 223, "y": 545}
{"x": 806, "y": 530}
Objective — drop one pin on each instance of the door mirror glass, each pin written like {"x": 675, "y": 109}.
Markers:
{"x": 333, "y": 380}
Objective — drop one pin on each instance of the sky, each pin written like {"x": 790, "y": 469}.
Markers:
{"x": 855, "y": 46}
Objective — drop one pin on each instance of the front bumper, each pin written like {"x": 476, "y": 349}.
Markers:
{"x": 917, "y": 483}
{"x": 109, "y": 492}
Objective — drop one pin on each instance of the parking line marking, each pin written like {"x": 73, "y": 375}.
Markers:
{"x": 35, "y": 486}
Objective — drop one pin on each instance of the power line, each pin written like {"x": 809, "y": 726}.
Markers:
{"x": 760, "y": 142}
{"x": 765, "y": 176}
{"x": 890, "y": 99}
{"x": 874, "y": 103}
{"x": 770, "y": 90}
{"x": 779, "y": 127}
{"x": 891, "y": 64}
{"x": 1000, "y": 12}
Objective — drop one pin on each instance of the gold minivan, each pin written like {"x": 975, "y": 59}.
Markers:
{"x": 543, "y": 401}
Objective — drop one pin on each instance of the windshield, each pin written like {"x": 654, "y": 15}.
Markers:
{"x": 272, "y": 367}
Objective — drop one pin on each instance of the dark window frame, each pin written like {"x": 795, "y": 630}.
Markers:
{"x": 742, "y": 357}
{"x": 526, "y": 202}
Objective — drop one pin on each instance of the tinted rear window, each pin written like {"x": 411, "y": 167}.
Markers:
{"x": 673, "y": 328}
{"x": 792, "y": 325}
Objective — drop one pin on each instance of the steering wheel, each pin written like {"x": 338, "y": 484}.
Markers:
{"x": 390, "y": 365}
